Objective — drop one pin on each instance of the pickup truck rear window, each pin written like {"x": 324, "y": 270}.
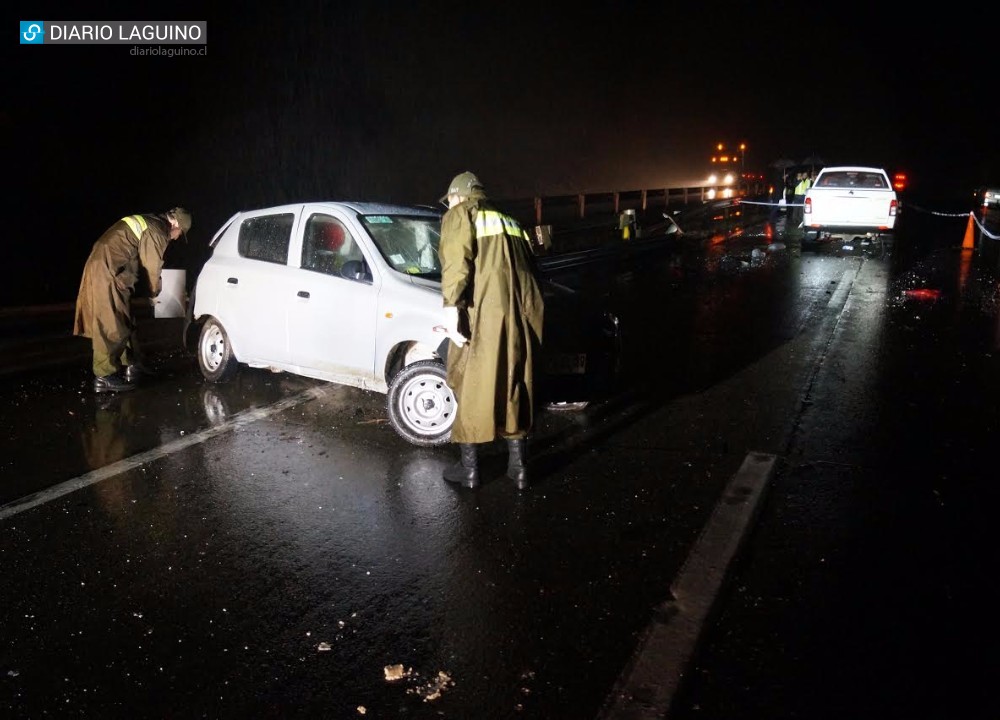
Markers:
{"x": 841, "y": 179}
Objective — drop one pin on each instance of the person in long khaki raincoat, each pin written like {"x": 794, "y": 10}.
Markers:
{"x": 103, "y": 303}
{"x": 493, "y": 309}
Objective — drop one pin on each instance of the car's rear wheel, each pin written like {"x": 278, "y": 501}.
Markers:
{"x": 420, "y": 404}
{"x": 215, "y": 354}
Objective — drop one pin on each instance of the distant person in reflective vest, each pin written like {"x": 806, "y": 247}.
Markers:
{"x": 104, "y": 301}
{"x": 493, "y": 311}
{"x": 799, "y": 197}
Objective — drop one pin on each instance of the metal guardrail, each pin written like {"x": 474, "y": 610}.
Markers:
{"x": 555, "y": 209}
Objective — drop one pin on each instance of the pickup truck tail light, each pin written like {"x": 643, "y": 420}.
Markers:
{"x": 807, "y": 210}
{"x": 893, "y": 208}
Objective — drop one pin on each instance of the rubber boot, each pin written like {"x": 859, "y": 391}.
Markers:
{"x": 517, "y": 463}
{"x": 466, "y": 471}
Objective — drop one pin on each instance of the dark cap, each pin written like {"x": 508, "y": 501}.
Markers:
{"x": 463, "y": 184}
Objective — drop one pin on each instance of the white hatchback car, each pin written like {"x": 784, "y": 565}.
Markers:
{"x": 350, "y": 293}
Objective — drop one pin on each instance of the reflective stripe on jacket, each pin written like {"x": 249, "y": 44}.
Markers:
{"x": 492, "y": 222}
{"x": 136, "y": 223}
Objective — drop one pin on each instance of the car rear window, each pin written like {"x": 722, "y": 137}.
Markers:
{"x": 266, "y": 237}
{"x": 853, "y": 179}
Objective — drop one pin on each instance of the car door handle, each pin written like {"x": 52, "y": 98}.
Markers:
{"x": 303, "y": 293}
{"x": 233, "y": 281}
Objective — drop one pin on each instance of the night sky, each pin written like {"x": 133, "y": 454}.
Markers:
{"x": 388, "y": 100}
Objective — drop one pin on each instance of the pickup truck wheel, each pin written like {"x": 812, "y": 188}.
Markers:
{"x": 215, "y": 355}
{"x": 420, "y": 404}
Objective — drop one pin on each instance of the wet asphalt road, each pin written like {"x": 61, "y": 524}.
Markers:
{"x": 268, "y": 548}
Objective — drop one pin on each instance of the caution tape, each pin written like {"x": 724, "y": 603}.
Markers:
{"x": 935, "y": 212}
{"x": 778, "y": 204}
{"x": 982, "y": 228}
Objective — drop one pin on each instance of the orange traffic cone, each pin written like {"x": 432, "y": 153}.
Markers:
{"x": 970, "y": 234}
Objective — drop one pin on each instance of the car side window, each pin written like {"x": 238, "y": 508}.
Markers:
{"x": 327, "y": 245}
{"x": 266, "y": 238}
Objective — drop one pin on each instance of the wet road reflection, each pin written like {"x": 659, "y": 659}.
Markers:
{"x": 275, "y": 568}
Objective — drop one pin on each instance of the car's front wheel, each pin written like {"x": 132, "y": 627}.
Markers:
{"x": 420, "y": 404}
{"x": 215, "y": 354}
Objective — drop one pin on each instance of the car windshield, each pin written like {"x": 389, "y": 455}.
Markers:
{"x": 409, "y": 243}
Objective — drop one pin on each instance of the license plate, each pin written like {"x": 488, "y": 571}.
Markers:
{"x": 848, "y": 248}
{"x": 566, "y": 364}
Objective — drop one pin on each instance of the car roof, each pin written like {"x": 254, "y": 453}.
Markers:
{"x": 362, "y": 208}
{"x": 378, "y": 208}
{"x": 853, "y": 168}
{"x": 358, "y": 206}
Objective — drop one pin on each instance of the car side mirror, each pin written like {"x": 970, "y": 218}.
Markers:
{"x": 672, "y": 227}
{"x": 355, "y": 270}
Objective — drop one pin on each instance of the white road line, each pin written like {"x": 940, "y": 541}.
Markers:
{"x": 646, "y": 688}
{"x": 234, "y": 423}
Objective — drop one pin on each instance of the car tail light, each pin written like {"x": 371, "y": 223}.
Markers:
{"x": 893, "y": 208}
{"x": 807, "y": 210}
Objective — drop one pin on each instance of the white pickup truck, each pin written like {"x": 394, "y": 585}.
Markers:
{"x": 851, "y": 200}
